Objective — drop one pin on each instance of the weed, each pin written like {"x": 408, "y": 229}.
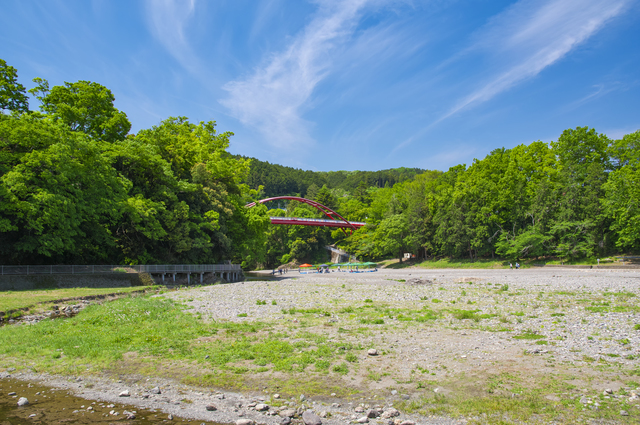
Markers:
{"x": 273, "y": 302}
{"x": 636, "y": 327}
{"x": 242, "y": 314}
{"x": 624, "y": 341}
{"x": 261, "y": 302}
{"x": 463, "y": 293}
{"x": 342, "y": 368}
{"x": 504, "y": 288}
{"x": 557, "y": 314}
{"x": 435, "y": 300}
{"x": 368, "y": 300}
{"x": 351, "y": 358}
{"x": 529, "y": 334}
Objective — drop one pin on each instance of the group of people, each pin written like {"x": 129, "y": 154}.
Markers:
{"x": 517, "y": 265}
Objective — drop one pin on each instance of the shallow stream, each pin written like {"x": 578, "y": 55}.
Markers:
{"x": 52, "y": 406}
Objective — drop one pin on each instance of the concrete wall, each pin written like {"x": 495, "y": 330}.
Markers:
{"x": 53, "y": 281}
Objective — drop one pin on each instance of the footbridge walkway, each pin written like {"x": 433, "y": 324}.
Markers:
{"x": 229, "y": 272}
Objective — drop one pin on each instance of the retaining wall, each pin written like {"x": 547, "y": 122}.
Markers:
{"x": 54, "y": 281}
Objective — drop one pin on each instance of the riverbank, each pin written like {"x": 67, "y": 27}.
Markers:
{"x": 440, "y": 346}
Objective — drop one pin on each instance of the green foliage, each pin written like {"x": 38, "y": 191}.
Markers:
{"x": 13, "y": 96}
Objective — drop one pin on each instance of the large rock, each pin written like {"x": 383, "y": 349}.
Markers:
{"x": 23, "y": 401}
{"x": 311, "y": 418}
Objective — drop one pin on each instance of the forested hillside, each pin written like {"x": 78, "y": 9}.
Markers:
{"x": 278, "y": 180}
{"x": 76, "y": 187}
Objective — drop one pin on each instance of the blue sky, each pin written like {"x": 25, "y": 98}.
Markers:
{"x": 346, "y": 85}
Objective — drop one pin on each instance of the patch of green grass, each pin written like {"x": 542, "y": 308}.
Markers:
{"x": 242, "y": 314}
{"x": 342, "y": 368}
{"x": 368, "y": 300}
{"x": 636, "y": 326}
{"x": 261, "y": 302}
{"x": 372, "y": 321}
{"x": 351, "y": 358}
{"x": 273, "y": 302}
{"x": 13, "y": 300}
{"x": 529, "y": 334}
{"x": 504, "y": 288}
{"x": 435, "y": 300}
{"x": 470, "y": 315}
{"x": 557, "y": 314}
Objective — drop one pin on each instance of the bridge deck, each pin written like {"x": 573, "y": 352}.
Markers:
{"x": 315, "y": 222}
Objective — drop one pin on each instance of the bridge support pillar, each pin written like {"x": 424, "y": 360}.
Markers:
{"x": 174, "y": 277}
{"x": 201, "y": 275}
{"x": 163, "y": 277}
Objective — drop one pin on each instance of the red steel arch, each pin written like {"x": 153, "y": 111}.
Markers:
{"x": 326, "y": 210}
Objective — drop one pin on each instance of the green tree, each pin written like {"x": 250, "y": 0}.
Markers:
{"x": 13, "y": 95}
{"x": 83, "y": 106}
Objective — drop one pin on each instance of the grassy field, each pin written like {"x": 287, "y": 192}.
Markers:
{"x": 38, "y": 299}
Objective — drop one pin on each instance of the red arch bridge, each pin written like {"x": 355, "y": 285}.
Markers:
{"x": 334, "y": 220}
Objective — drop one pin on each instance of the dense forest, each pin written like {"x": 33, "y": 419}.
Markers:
{"x": 77, "y": 187}
{"x": 278, "y": 180}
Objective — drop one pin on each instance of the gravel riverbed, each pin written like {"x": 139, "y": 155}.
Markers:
{"x": 480, "y": 333}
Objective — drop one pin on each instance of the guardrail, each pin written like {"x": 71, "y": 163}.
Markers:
{"x": 160, "y": 268}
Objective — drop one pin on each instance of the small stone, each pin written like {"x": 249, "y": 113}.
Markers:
{"x": 390, "y": 413}
{"x": 372, "y": 352}
{"x": 23, "y": 401}
{"x": 608, "y": 391}
{"x": 33, "y": 415}
{"x": 373, "y": 413}
{"x": 335, "y": 404}
{"x": 363, "y": 420}
{"x": 276, "y": 396}
{"x": 407, "y": 422}
{"x": 285, "y": 420}
{"x": 244, "y": 422}
{"x": 206, "y": 357}
{"x": 311, "y": 418}
{"x": 359, "y": 409}
{"x": 584, "y": 400}
{"x": 261, "y": 407}
{"x": 156, "y": 390}
{"x": 125, "y": 393}
{"x": 12, "y": 393}
{"x": 302, "y": 397}
{"x": 220, "y": 396}
{"x": 130, "y": 416}
{"x": 170, "y": 417}
{"x": 333, "y": 394}
{"x": 211, "y": 408}
{"x": 394, "y": 392}
{"x": 624, "y": 413}
{"x": 323, "y": 414}
{"x": 405, "y": 396}
{"x": 287, "y": 413}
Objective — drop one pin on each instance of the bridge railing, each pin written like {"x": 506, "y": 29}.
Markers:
{"x": 103, "y": 269}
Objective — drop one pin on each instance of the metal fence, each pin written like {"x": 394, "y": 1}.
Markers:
{"x": 160, "y": 268}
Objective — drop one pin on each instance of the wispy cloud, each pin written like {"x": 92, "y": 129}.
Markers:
{"x": 167, "y": 21}
{"x": 273, "y": 98}
{"x": 530, "y": 36}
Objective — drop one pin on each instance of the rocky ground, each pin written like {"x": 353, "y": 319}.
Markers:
{"x": 573, "y": 336}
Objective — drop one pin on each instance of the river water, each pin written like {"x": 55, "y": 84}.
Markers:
{"x": 52, "y": 406}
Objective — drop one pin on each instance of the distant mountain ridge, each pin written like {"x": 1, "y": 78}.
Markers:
{"x": 279, "y": 180}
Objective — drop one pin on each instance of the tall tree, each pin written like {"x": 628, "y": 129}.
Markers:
{"x": 13, "y": 95}
{"x": 83, "y": 106}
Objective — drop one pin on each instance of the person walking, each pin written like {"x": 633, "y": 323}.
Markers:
{"x": 510, "y": 266}
{"x": 517, "y": 265}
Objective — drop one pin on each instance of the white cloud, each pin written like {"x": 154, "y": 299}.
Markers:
{"x": 168, "y": 20}
{"x": 530, "y": 36}
{"x": 273, "y": 98}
